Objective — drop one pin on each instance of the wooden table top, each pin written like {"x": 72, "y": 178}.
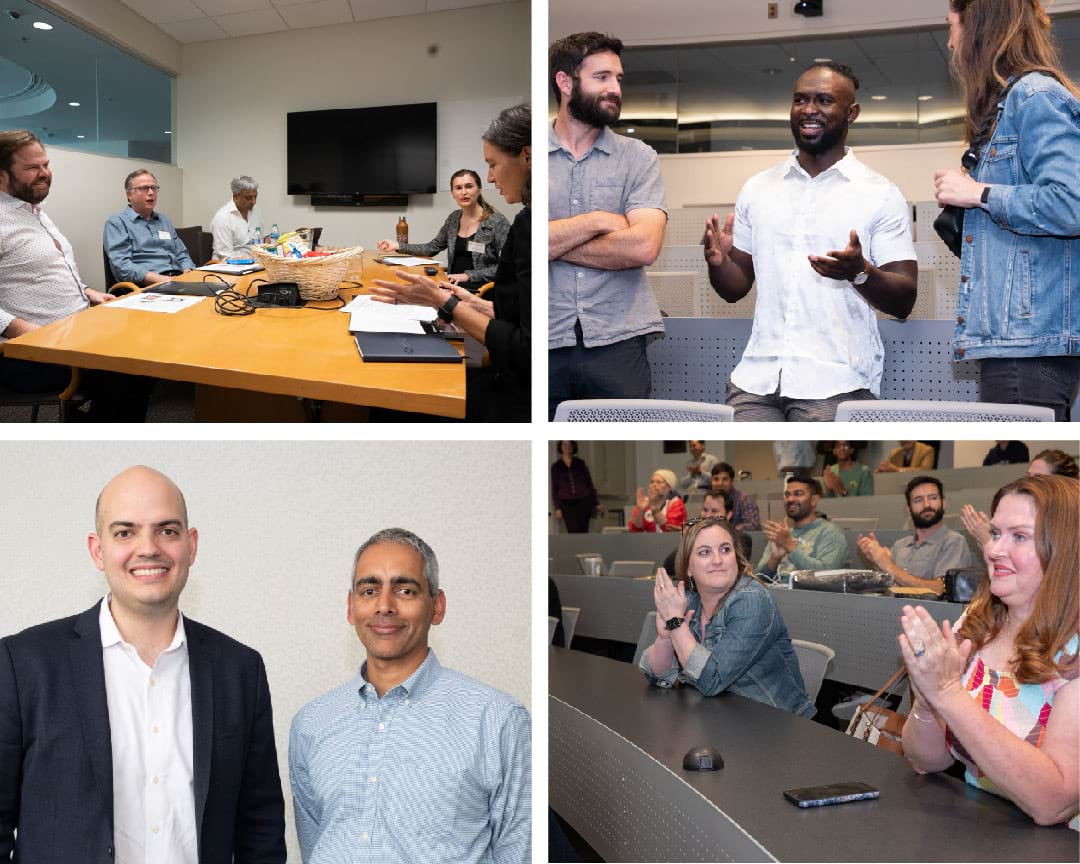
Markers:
{"x": 306, "y": 352}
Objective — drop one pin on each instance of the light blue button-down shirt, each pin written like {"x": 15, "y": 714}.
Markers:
{"x": 438, "y": 769}
{"x": 137, "y": 246}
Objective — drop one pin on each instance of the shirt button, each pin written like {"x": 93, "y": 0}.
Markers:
{"x": 382, "y": 726}
{"x": 575, "y": 201}
{"x": 364, "y": 836}
{"x": 963, "y": 278}
{"x": 408, "y": 701}
{"x": 154, "y": 730}
{"x": 154, "y": 829}
{"x": 152, "y": 682}
{"x": 993, "y": 151}
{"x": 959, "y": 352}
{"x": 959, "y": 319}
{"x": 372, "y": 779}
{"x": 155, "y": 780}
{"x": 968, "y": 239}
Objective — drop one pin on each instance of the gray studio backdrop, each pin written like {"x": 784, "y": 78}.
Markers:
{"x": 279, "y": 523}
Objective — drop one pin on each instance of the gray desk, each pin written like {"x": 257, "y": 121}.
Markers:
{"x": 861, "y": 630}
{"x": 615, "y": 774}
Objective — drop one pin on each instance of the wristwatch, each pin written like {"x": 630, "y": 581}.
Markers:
{"x": 860, "y": 278}
{"x": 985, "y": 197}
{"x": 446, "y": 311}
{"x": 674, "y": 623}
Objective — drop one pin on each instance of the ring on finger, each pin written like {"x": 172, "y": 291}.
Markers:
{"x": 918, "y": 652}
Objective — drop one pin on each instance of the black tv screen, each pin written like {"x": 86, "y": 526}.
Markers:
{"x": 363, "y": 151}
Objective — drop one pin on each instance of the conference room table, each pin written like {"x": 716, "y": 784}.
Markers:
{"x": 252, "y": 367}
{"x": 616, "y": 747}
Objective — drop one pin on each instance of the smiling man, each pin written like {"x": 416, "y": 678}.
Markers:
{"x": 828, "y": 242}
{"x": 145, "y": 736}
{"x": 803, "y": 541}
{"x": 141, "y": 243}
{"x": 409, "y": 761}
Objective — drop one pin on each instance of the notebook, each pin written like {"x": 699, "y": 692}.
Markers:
{"x": 191, "y": 289}
{"x": 405, "y": 348}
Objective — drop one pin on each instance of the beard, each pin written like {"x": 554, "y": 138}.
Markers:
{"x": 31, "y": 193}
{"x": 927, "y": 518}
{"x": 830, "y": 137}
{"x": 798, "y": 511}
{"x": 587, "y": 109}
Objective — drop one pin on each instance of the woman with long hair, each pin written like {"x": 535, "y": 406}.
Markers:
{"x": 1000, "y": 692}
{"x": 718, "y": 628}
{"x": 501, "y": 390}
{"x": 1020, "y": 205}
{"x": 473, "y": 235}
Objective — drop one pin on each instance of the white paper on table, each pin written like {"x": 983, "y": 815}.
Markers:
{"x": 376, "y": 324}
{"x": 155, "y": 302}
{"x": 408, "y": 261}
{"x": 365, "y": 304}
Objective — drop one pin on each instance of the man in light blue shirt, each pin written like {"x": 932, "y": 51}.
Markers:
{"x": 141, "y": 244}
{"x": 408, "y": 761}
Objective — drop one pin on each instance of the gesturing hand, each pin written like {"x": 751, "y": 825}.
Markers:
{"x": 670, "y": 599}
{"x": 874, "y": 552}
{"x": 835, "y": 483}
{"x": 642, "y": 501}
{"x": 780, "y": 534}
{"x": 841, "y": 263}
{"x": 718, "y": 240}
{"x": 934, "y": 659}
{"x": 976, "y": 523}
{"x": 416, "y": 290}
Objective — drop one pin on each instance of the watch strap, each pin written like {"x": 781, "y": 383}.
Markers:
{"x": 446, "y": 311}
{"x": 985, "y": 197}
{"x": 674, "y": 623}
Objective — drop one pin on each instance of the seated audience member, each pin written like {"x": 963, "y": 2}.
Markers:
{"x": 794, "y": 457}
{"x": 473, "y": 235}
{"x": 141, "y": 243}
{"x": 718, "y": 629}
{"x": 717, "y": 505}
{"x": 746, "y": 516}
{"x": 1006, "y": 452}
{"x": 809, "y": 542}
{"x": 40, "y": 284}
{"x": 572, "y": 489}
{"x": 923, "y": 559}
{"x": 847, "y": 476}
{"x": 827, "y": 242}
{"x": 238, "y": 224}
{"x": 698, "y": 470}
{"x": 661, "y": 509}
{"x": 909, "y": 456}
{"x": 1045, "y": 462}
{"x": 999, "y": 691}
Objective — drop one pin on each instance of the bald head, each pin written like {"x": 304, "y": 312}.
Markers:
{"x": 132, "y": 484}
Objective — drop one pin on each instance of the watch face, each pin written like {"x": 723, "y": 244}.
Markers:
{"x": 674, "y": 623}
{"x": 861, "y": 278}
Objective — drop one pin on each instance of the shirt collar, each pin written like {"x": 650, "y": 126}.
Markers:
{"x": 10, "y": 202}
{"x": 605, "y": 141}
{"x": 131, "y": 215}
{"x": 110, "y": 633}
{"x": 412, "y": 687}
{"x": 848, "y": 166}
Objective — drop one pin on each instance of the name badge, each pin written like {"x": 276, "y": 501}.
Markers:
{"x": 164, "y": 235}
{"x": 477, "y": 248}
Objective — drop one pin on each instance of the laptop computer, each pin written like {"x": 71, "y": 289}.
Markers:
{"x": 189, "y": 289}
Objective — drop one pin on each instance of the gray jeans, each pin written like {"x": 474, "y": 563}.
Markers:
{"x": 1047, "y": 381}
{"x": 776, "y": 408}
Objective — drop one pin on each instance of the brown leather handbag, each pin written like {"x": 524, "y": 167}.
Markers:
{"x": 878, "y": 725}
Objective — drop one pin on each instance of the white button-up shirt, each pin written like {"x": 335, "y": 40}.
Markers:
{"x": 39, "y": 282}
{"x": 815, "y": 337}
{"x": 232, "y": 233}
{"x": 152, "y": 749}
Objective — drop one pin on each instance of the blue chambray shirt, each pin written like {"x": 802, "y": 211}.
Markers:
{"x": 746, "y": 650}
{"x": 136, "y": 246}
{"x": 438, "y": 769}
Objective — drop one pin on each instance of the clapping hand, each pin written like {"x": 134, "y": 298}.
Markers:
{"x": 976, "y": 523}
{"x": 934, "y": 659}
{"x": 834, "y": 483}
{"x": 670, "y": 601}
{"x": 642, "y": 501}
{"x": 779, "y": 536}
{"x": 873, "y": 551}
{"x": 841, "y": 263}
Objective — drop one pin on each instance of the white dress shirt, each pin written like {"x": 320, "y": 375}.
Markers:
{"x": 39, "y": 282}
{"x": 232, "y": 233}
{"x": 815, "y": 337}
{"x": 152, "y": 750}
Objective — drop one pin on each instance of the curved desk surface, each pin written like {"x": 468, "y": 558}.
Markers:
{"x": 615, "y": 774}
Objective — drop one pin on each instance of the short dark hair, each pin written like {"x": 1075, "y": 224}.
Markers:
{"x": 127, "y": 180}
{"x": 838, "y": 68}
{"x": 919, "y": 481}
{"x": 573, "y": 447}
{"x": 12, "y": 141}
{"x": 728, "y": 498}
{"x": 806, "y": 480}
{"x": 723, "y": 468}
{"x": 567, "y": 54}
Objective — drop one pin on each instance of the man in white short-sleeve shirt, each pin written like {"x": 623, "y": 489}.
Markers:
{"x": 238, "y": 223}
{"x": 828, "y": 242}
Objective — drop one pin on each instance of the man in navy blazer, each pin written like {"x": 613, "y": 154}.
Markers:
{"x": 130, "y": 733}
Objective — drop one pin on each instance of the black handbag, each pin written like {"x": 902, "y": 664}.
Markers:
{"x": 961, "y": 582}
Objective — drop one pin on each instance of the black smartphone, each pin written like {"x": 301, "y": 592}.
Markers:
{"x": 830, "y": 793}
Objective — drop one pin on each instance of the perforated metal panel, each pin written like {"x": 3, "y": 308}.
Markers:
{"x": 686, "y": 225}
{"x": 925, "y": 214}
{"x": 934, "y": 253}
{"x": 926, "y": 296}
{"x": 910, "y": 411}
{"x": 628, "y": 806}
{"x": 695, "y": 359}
{"x": 691, "y": 258}
{"x": 678, "y": 294}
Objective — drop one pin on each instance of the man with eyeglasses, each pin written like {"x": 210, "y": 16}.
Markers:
{"x": 141, "y": 243}
{"x": 717, "y": 505}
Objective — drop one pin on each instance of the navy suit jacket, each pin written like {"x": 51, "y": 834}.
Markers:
{"x": 56, "y": 784}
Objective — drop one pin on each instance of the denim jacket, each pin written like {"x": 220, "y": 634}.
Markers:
{"x": 746, "y": 651}
{"x": 1019, "y": 292}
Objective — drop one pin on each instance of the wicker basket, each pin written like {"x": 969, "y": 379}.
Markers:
{"x": 318, "y": 278}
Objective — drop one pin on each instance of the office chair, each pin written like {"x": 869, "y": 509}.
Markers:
{"x": 814, "y": 660}
{"x": 569, "y": 623}
{"x": 65, "y": 400}
{"x": 553, "y": 622}
{"x": 646, "y": 637}
{"x": 639, "y": 410}
{"x": 487, "y": 286}
{"x": 632, "y": 569}
{"x": 917, "y": 410}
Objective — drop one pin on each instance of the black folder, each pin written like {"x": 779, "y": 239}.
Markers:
{"x": 405, "y": 348}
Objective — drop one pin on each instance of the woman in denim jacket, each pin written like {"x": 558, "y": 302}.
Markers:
{"x": 745, "y": 648}
{"x": 473, "y": 236}
{"x": 1019, "y": 293}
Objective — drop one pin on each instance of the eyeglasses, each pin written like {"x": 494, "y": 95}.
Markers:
{"x": 145, "y": 189}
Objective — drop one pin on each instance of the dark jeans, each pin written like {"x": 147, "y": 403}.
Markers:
{"x": 114, "y": 396}
{"x": 576, "y": 514}
{"x": 619, "y": 371}
{"x": 1050, "y": 382}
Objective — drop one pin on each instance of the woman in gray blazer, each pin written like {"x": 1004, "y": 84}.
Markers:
{"x": 473, "y": 236}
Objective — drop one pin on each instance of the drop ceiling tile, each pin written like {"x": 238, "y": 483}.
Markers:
{"x": 162, "y": 11}
{"x": 442, "y": 5}
{"x": 317, "y": 14}
{"x": 364, "y": 10}
{"x": 218, "y": 8}
{"x": 252, "y": 23}
{"x": 196, "y": 30}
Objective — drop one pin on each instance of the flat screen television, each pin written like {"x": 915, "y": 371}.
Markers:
{"x": 349, "y": 154}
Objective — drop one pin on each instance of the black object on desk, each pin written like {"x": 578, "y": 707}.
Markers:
{"x": 187, "y": 289}
{"x": 405, "y": 348}
{"x": 702, "y": 758}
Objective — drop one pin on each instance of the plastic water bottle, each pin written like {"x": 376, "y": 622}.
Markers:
{"x": 274, "y": 234}
{"x": 256, "y": 238}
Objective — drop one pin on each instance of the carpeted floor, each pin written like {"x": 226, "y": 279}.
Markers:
{"x": 171, "y": 402}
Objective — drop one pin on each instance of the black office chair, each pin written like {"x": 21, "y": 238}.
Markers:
{"x": 199, "y": 243}
{"x": 65, "y": 401}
